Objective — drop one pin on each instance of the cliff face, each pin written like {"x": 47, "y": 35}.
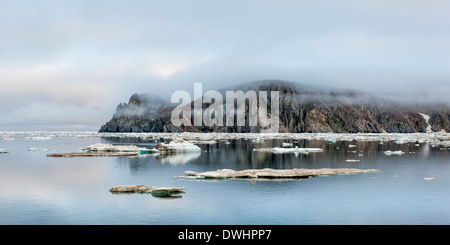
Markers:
{"x": 302, "y": 109}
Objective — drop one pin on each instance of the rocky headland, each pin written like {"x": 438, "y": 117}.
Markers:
{"x": 303, "y": 109}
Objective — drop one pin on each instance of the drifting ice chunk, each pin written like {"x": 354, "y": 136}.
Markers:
{"x": 394, "y": 152}
{"x": 429, "y": 178}
{"x": 177, "y": 146}
{"x": 35, "y": 149}
{"x": 267, "y": 173}
{"x": 143, "y": 188}
{"x": 172, "y": 192}
{"x": 296, "y": 149}
{"x": 288, "y": 150}
{"x": 112, "y": 148}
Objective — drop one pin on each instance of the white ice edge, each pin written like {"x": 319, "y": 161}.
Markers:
{"x": 433, "y": 138}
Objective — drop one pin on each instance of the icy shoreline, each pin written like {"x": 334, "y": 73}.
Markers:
{"x": 435, "y": 138}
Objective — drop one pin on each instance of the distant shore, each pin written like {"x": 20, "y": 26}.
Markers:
{"x": 435, "y": 138}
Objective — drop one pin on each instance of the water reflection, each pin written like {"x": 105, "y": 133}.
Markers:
{"x": 178, "y": 159}
{"x": 410, "y": 189}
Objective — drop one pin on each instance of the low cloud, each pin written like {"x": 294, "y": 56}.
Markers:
{"x": 91, "y": 56}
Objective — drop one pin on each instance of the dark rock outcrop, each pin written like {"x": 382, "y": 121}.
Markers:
{"x": 302, "y": 109}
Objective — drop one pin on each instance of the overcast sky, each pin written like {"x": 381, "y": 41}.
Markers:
{"x": 67, "y": 64}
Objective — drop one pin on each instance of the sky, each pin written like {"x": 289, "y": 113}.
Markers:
{"x": 66, "y": 65}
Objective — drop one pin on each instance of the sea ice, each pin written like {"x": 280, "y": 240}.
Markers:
{"x": 177, "y": 146}
{"x": 178, "y": 159}
{"x": 114, "y": 148}
{"x": 35, "y": 149}
{"x": 394, "y": 152}
{"x": 288, "y": 150}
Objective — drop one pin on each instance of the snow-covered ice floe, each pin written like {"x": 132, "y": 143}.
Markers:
{"x": 274, "y": 174}
{"x": 177, "y": 146}
{"x": 429, "y": 178}
{"x": 288, "y": 150}
{"x": 394, "y": 152}
{"x": 100, "y": 147}
{"x": 36, "y": 149}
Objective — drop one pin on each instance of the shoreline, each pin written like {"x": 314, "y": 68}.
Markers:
{"x": 435, "y": 138}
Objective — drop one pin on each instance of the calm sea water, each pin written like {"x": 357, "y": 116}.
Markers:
{"x": 36, "y": 189}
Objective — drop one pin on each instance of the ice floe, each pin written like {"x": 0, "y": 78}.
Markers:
{"x": 177, "y": 146}
{"x": 268, "y": 173}
{"x": 394, "y": 152}
{"x": 37, "y": 149}
{"x": 429, "y": 178}
{"x": 288, "y": 150}
{"x": 173, "y": 192}
{"x": 100, "y": 147}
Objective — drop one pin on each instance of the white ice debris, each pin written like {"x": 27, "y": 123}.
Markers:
{"x": 288, "y": 150}
{"x": 177, "y": 146}
{"x": 352, "y": 160}
{"x": 100, "y": 147}
{"x": 394, "y": 152}
{"x": 36, "y": 149}
{"x": 429, "y": 178}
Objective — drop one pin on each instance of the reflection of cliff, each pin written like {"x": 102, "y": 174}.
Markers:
{"x": 239, "y": 155}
